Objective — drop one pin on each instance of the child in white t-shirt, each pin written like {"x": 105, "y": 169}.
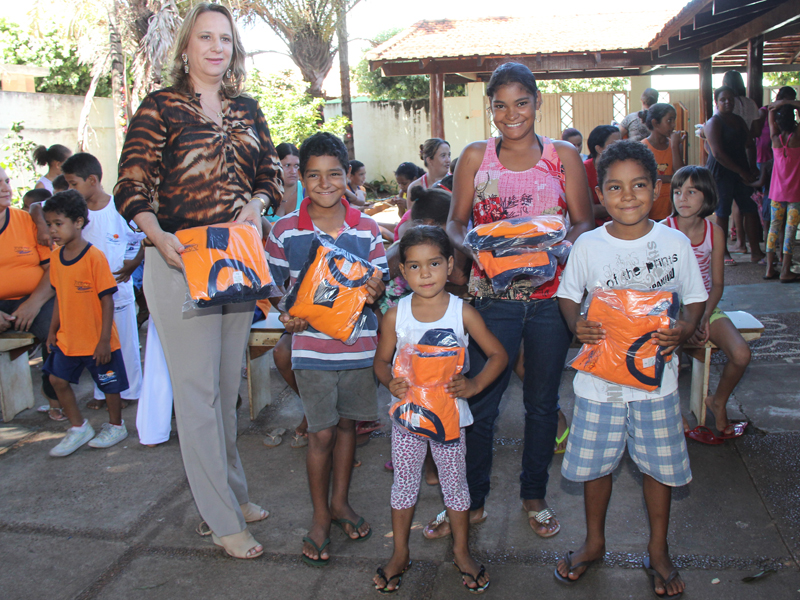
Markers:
{"x": 629, "y": 252}
{"x": 110, "y": 234}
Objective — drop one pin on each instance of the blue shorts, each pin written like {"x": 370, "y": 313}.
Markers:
{"x": 652, "y": 430}
{"x": 111, "y": 377}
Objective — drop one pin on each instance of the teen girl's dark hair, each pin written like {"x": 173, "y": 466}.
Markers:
{"x": 733, "y": 79}
{"x": 425, "y": 234}
{"x": 511, "y": 72}
{"x": 83, "y": 165}
{"x": 626, "y": 150}
{"x": 570, "y": 132}
{"x": 787, "y": 92}
{"x": 285, "y": 149}
{"x": 355, "y": 165}
{"x": 69, "y": 204}
{"x": 656, "y": 113}
{"x": 703, "y": 181}
{"x": 784, "y": 118}
{"x": 410, "y": 171}
{"x": 598, "y": 137}
{"x": 432, "y": 204}
{"x": 723, "y": 88}
{"x": 323, "y": 144}
{"x": 55, "y": 153}
{"x": 430, "y": 148}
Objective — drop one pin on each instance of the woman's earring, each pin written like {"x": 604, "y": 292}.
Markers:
{"x": 229, "y": 74}
{"x": 538, "y": 118}
{"x": 185, "y": 62}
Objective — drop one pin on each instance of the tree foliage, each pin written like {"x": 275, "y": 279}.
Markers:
{"x": 292, "y": 114}
{"x": 781, "y": 79}
{"x": 68, "y": 75}
{"x": 18, "y": 161}
{"x": 598, "y": 84}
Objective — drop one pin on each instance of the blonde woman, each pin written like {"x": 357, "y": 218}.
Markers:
{"x": 201, "y": 152}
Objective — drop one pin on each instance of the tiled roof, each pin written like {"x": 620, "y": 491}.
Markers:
{"x": 504, "y": 36}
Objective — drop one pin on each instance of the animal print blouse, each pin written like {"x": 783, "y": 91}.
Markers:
{"x": 189, "y": 171}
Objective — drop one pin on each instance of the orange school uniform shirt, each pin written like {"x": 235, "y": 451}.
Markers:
{"x": 21, "y": 257}
{"x": 79, "y": 285}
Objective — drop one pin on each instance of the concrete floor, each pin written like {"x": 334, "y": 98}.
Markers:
{"x": 119, "y": 523}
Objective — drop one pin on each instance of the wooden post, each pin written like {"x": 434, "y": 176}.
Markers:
{"x": 706, "y": 100}
{"x": 755, "y": 69}
{"x": 437, "y": 105}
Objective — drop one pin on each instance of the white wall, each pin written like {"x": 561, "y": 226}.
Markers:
{"x": 53, "y": 119}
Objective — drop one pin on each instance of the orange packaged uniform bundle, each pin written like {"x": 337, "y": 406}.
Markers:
{"x": 627, "y": 355}
{"x": 330, "y": 292}
{"x": 520, "y": 248}
{"x": 224, "y": 264}
{"x": 427, "y": 409}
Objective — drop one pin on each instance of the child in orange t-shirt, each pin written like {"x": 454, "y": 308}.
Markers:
{"x": 82, "y": 333}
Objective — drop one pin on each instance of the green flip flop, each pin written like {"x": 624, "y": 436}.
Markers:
{"x": 340, "y": 523}
{"x": 319, "y": 562}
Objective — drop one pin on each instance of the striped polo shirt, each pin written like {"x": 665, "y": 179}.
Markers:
{"x": 287, "y": 251}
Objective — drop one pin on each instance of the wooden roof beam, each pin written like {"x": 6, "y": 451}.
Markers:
{"x": 781, "y": 16}
{"x": 685, "y": 16}
{"x": 723, "y": 6}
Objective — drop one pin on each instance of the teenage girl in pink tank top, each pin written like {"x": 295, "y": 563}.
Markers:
{"x": 519, "y": 173}
{"x": 694, "y": 198}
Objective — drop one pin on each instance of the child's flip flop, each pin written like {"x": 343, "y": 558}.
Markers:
{"x": 703, "y": 435}
{"x": 388, "y": 580}
{"x": 560, "y": 440}
{"x": 738, "y": 430}
{"x": 340, "y": 523}
{"x": 320, "y": 562}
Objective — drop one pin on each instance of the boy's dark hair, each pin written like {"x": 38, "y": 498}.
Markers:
{"x": 60, "y": 184}
{"x": 425, "y": 234}
{"x": 723, "y": 88}
{"x": 410, "y": 171}
{"x": 285, "y": 149}
{"x": 598, "y": 137}
{"x": 784, "y": 118}
{"x": 511, "y": 72}
{"x": 703, "y": 181}
{"x": 570, "y": 132}
{"x": 37, "y": 195}
{"x": 453, "y": 164}
{"x": 55, "y": 153}
{"x": 323, "y": 144}
{"x": 432, "y": 204}
{"x": 70, "y": 204}
{"x": 656, "y": 113}
{"x": 355, "y": 165}
{"x": 787, "y": 92}
{"x": 83, "y": 165}
{"x": 626, "y": 150}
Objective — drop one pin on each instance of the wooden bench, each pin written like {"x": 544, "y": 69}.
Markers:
{"x": 750, "y": 328}
{"x": 16, "y": 388}
{"x": 264, "y": 335}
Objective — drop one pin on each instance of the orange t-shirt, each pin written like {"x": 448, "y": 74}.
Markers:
{"x": 21, "y": 257}
{"x": 79, "y": 285}
{"x": 663, "y": 204}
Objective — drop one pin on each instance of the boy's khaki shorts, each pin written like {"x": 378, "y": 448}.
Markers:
{"x": 328, "y": 396}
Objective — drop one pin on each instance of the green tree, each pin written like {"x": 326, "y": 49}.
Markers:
{"x": 18, "y": 161}
{"x": 292, "y": 114}
{"x": 50, "y": 49}
{"x": 781, "y": 79}
{"x": 598, "y": 84}
{"x": 404, "y": 87}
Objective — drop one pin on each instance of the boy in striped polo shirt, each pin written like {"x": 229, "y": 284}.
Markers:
{"x": 336, "y": 381}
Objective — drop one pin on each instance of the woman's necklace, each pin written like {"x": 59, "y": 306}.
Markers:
{"x": 207, "y": 107}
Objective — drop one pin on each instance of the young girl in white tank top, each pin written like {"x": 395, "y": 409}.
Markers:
{"x": 432, "y": 317}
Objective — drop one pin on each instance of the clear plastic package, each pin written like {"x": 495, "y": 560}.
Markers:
{"x": 530, "y": 232}
{"x": 537, "y": 265}
{"x": 427, "y": 409}
{"x": 224, "y": 264}
{"x": 629, "y": 317}
{"x": 330, "y": 292}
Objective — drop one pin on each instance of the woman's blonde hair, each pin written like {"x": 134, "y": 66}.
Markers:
{"x": 232, "y": 86}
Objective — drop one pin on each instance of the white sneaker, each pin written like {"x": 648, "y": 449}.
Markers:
{"x": 75, "y": 438}
{"x": 109, "y": 435}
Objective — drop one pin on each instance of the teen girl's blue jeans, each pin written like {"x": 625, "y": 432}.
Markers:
{"x": 538, "y": 325}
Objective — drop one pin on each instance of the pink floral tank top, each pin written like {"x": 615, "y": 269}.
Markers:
{"x": 503, "y": 194}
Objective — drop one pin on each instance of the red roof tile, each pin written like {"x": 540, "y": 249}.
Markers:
{"x": 504, "y": 36}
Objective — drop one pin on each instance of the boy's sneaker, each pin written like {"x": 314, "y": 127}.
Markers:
{"x": 75, "y": 438}
{"x": 109, "y": 435}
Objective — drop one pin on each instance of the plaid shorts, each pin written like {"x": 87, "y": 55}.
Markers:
{"x": 652, "y": 429}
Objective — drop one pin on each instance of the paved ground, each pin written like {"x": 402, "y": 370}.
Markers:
{"x": 120, "y": 523}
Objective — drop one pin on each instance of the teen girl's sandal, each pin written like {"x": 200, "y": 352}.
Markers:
{"x": 387, "y": 580}
{"x": 55, "y": 414}
{"x": 653, "y": 574}
{"x": 432, "y": 531}
{"x": 464, "y": 574}
{"x": 319, "y": 562}
{"x": 543, "y": 517}
{"x": 238, "y": 545}
{"x": 340, "y": 523}
{"x": 571, "y": 568}
{"x": 561, "y": 440}
{"x": 251, "y": 512}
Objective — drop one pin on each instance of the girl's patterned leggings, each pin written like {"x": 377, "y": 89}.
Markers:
{"x": 783, "y": 211}
{"x": 408, "y": 454}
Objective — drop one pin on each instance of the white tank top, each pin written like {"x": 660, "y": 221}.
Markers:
{"x": 411, "y": 331}
{"x": 48, "y": 185}
{"x": 702, "y": 251}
